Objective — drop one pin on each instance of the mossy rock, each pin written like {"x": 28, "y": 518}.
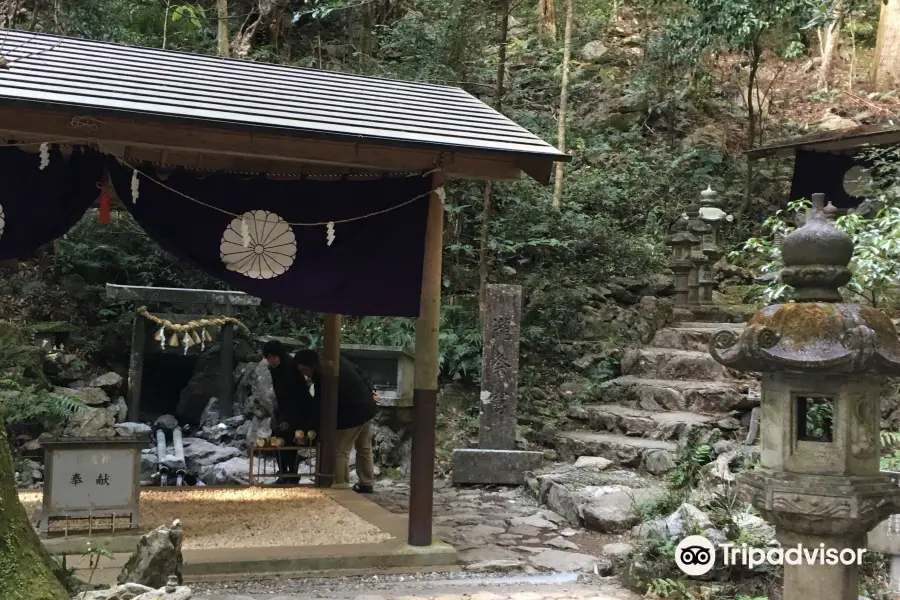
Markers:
{"x": 51, "y": 327}
{"x": 17, "y": 355}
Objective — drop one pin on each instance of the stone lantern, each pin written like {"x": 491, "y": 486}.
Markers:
{"x": 680, "y": 262}
{"x": 822, "y": 365}
{"x": 700, "y": 229}
{"x": 711, "y": 245}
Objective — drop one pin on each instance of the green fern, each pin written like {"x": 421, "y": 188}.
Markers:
{"x": 669, "y": 588}
{"x": 890, "y": 439}
{"x": 693, "y": 457}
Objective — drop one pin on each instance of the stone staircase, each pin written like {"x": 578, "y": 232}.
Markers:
{"x": 668, "y": 389}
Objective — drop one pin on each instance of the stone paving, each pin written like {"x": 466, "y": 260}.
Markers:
{"x": 500, "y": 529}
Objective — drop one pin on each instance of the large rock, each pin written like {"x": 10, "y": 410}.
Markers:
{"x": 92, "y": 422}
{"x": 133, "y": 429}
{"x": 157, "y": 556}
{"x": 126, "y": 591}
{"x": 685, "y": 520}
{"x": 593, "y": 51}
{"x": 199, "y": 454}
{"x": 567, "y": 562}
{"x": 205, "y": 383}
{"x": 210, "y": 417}
{"x": 235, "y": 471}
{"x": 615, "y": 510}
{"x": 181, "y": 593}
{"x": 110, "y": 383}
{"x": 90, "y": 396}
{"x": 255, "y": 395}
{"x": 599, "y": 499}
{"x": 167, "y": 423}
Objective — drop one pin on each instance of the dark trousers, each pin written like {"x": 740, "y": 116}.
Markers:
{"x": 287, "y": 461}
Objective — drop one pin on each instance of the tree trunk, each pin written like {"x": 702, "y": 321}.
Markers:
{"x": 831, "y": 39}
{"x": 222, "y": 34}
{"x": 546, "y": 18}
{"x": 26, "y": 571}
{"x": 483, "y": 263}
{"x": 563, "y": 101}
{"x": 886, "y": 66}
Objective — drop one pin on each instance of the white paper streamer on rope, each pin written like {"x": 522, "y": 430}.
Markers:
{"x": 441, "y": 194}
{"x": 162, "y": 338}
{"x": 245, "y": 231}
{"x": 329, "y": 233}
{"x": 186, "y": 342}
{"x": 45, "y": 155}
{"x": 135, "y": 187}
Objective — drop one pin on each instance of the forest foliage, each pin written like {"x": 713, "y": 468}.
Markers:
{"x": 667, "y": 69}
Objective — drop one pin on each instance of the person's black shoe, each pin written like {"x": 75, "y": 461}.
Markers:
{"x": 363, "y": 489}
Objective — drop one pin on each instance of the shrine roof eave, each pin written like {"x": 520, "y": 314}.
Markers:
{"x": 129, "y": 98}
{"x": 196, "y": 143}
{"x": 846, "y": 140}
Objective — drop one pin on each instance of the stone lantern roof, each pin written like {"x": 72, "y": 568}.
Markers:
{"x": 817, "y": 332}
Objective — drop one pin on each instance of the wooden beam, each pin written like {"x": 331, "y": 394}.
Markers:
{"x": 211, "y": 139}
{"x": 330, "y": 363}
{"x": 137, "y": 293}
{"x": 421, "y": 479}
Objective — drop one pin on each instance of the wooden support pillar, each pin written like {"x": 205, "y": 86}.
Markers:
{"x": 421, "y": 480}
{"x": 330, "y": 361}
{"x": 136, "y": 367}
{"x": 226, "y": 399}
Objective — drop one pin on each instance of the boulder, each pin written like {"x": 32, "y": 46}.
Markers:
{"x": 205, "y": 383}
{"x": 126, "y": 591}
{"x": 181, "y": 593}
{"x": 616, "y": 510}
{"x": 685, "y": 520}
{"x": 149, "y": 463}
{"x": 157, "y": 556}
{"x": 199, "y": 454}
{"x": 210, "y": 417}
{"x": 89, "y": 396}
{"x": 92, "y": 422}
{"x": 122, "y": 407}
{"x": 167, "y": 423}
{"x": 593, "y": 51}
{"x": 109, "y": 383}
{"x": 255, "y": 395}
{"x": 233, "y": 471}
{"x": 133, "y": 429}
{"x": 592, "y": 462}
{"x": 755, "y": 527}
{"x": 561, "y": 561}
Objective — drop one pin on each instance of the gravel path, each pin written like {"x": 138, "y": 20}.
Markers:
{"x": 431, "y": 586}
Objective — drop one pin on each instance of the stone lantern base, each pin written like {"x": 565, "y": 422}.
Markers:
{"x": 820, "y": 505}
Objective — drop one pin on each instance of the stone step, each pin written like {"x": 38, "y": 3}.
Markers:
{"x": 636, "y": 422}
{"x": 707, "y": 397}
{"x": 706, "y": 325}
{"x": 667, "y": 363}
{"x": 689, "y": 336}
{"x": 656, "y": 456}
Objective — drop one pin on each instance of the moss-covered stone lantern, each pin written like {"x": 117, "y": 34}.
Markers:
{"x": 711, "y": 244}
{"x": 822, "y": 365}
{"x": 700, "y": 229}
{"x": 680, "y": 261}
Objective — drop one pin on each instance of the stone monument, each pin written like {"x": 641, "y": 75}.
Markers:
{"x": 822, "y": 365}
{"x": 680, "y": 262}
{"x": 496, "y": 460}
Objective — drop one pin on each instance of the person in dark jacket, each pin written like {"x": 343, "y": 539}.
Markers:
{"x": 293, "y": 404}
{"x": 357, "y": 405}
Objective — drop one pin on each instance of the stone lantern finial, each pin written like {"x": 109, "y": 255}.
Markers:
{"x": 816, "y": 257}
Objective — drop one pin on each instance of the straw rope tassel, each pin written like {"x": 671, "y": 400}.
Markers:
{"x": 45, "y": 155}
{"x": 135, "y": 187}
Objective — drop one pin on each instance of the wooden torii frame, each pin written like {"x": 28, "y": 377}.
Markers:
{"x": 141, "y": 296}
{"x": 202, "y": 112}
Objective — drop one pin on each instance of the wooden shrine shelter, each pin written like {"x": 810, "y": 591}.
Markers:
{"x": 177, "y": 110}
{"x": 832, "y": 162}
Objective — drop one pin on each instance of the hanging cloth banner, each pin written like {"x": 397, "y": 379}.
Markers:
{"x": 305, "y": 243}
{"x": 44, "y": 195}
